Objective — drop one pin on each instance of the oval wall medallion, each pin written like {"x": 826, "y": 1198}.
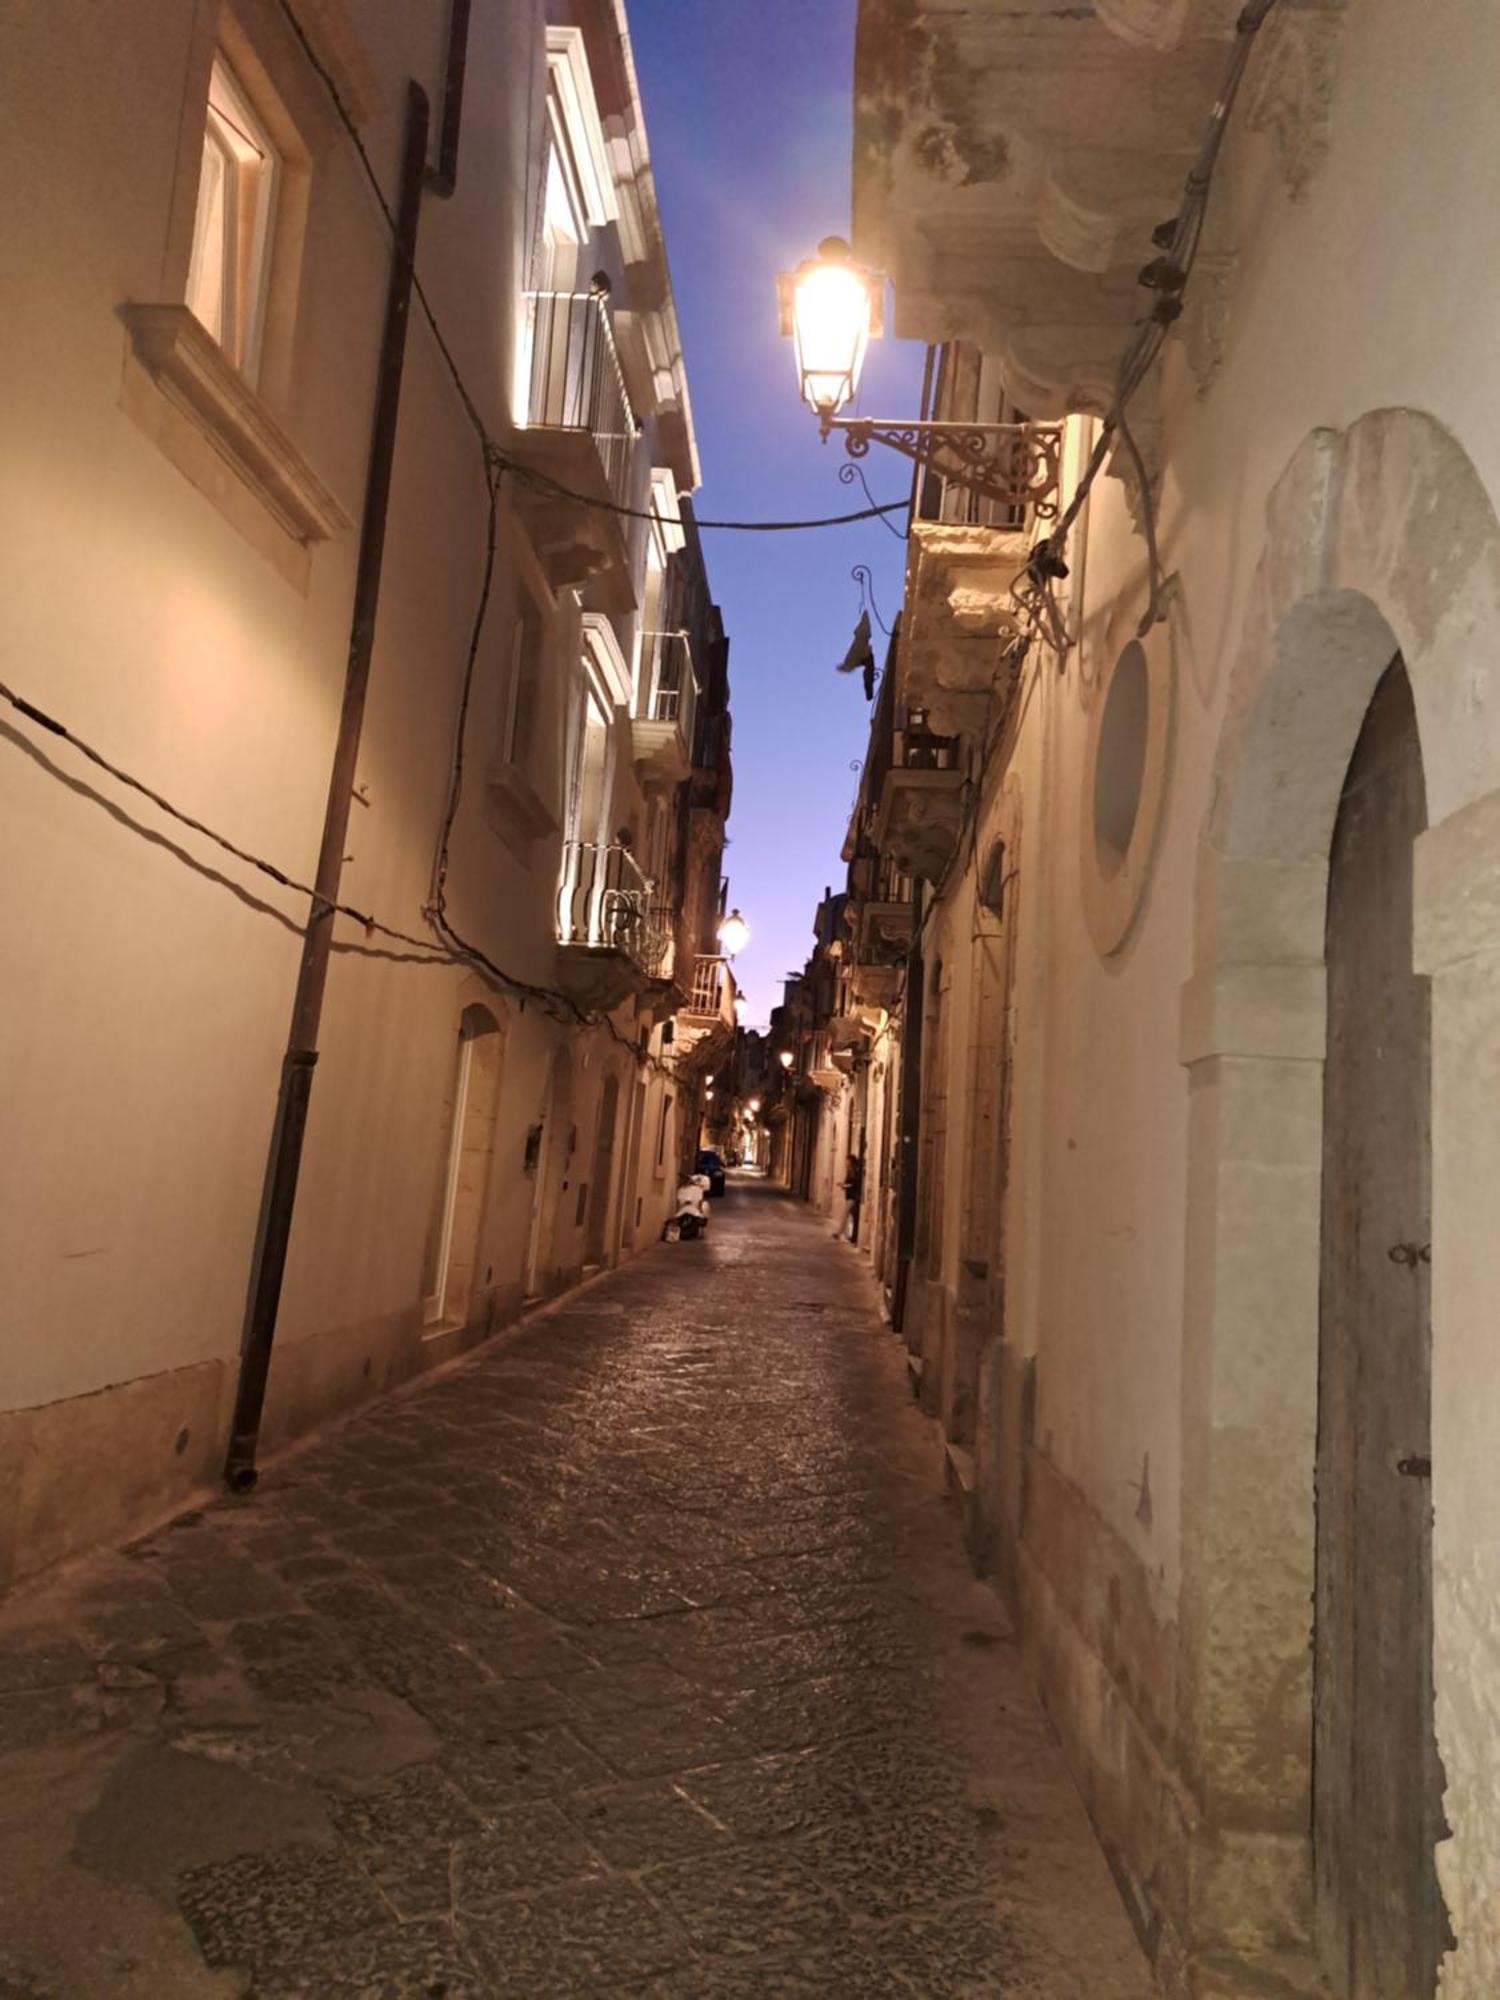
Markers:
{"x": 1124, "y": 786}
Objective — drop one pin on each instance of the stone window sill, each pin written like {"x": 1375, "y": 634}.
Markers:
{"x": 516, "y": 810}
{"x": 191, "y": 371}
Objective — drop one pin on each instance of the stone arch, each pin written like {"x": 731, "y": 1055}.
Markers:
{"x": 1378, "y": 538}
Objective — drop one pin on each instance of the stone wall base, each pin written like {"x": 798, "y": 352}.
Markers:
{"x": 104, "y": 1467}
{"x": 1218, "y": 1910}
{"x": 96, "y": 1471}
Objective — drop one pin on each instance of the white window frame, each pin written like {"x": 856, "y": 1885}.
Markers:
{"x": 233, "y": 130}
{"x": 573, "y": 112}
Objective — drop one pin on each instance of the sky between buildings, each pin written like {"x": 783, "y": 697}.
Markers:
{"x": 749, "y": 107}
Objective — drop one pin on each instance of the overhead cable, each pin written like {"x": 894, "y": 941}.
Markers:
{"x": 496, "y": 452}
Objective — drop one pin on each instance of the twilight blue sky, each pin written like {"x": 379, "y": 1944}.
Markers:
{"x": 748, "y": 111}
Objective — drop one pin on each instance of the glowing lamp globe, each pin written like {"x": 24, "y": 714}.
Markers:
{"x": 734, "y": 933}
{"x": 832, "y": 309}
{"x": 785, "y": 1058}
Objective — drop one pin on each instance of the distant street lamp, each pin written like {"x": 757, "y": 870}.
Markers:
{"x": 832, "y": 308}
{"x": 734, "y": 934}
{"x": 786, "y": 1058}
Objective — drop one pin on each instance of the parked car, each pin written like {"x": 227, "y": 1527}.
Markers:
{"x": 712, "y": 1165}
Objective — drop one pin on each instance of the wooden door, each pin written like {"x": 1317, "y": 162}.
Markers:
{"x": 604, "y": 1168}
{"x": 1376, "y": 1777}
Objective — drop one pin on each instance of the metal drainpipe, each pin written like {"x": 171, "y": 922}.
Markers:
{"x": 317, "y": 939}
{"x": 911, "y": 1112}
{"x": 443, "y": 178}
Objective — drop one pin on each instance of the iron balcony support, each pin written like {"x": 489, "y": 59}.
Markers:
{"x": 1018, "y": 465}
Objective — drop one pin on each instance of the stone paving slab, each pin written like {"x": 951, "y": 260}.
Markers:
{"x": 634, "y": 1656}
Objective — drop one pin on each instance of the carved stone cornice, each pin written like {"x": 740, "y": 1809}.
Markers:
{"x": 1011, "y": 163}
{"x": 959, "y": 619}
{"x": 1290, "y": 91}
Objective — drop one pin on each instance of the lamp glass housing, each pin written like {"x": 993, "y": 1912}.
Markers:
{"x": 734, "y": 933}
{"x": 832, "y": 310}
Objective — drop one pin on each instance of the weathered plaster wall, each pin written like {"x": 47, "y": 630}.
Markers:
{"x": 1165, "y": 1146}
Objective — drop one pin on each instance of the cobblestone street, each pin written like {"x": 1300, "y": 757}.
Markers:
{"x": 635, "y": 1655}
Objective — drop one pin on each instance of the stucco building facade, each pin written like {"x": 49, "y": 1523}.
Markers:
{"x": 508, "y": 1071}
{"x": 1170, "y": 959}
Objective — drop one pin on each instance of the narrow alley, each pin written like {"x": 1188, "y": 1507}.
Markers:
{"x": 635, "y": 1654}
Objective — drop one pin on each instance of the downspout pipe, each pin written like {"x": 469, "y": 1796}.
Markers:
{"x": 913, "y": 1006}
{"x": 443, "y": 178}
{"x": 317, "y": 939}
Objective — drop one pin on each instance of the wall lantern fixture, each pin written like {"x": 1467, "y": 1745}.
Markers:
{"x": 734, "y": 933}
{"x": 832, "y": 308}
{"x": 785, "y": 1058}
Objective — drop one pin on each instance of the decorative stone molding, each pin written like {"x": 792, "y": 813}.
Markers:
{"x": 1124, "y": 789}
{"x": 959, "y": 618}
{"x": 1457, "y": 888}
{"x": 1145, "y": 429}
{"x": 918, "y": 819}
{"x": 190, "y": 368}
{"x": 1378, "y": 538}
{"x": 1204, "y": 327}
{"x": 1289, "y": 92}
{"x": 1162, "y": 24}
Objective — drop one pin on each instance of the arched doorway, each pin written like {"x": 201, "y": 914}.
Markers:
{"x": 1381, "y": 540}
{"x": 601, "y": 1181}
{"x": 1377, "y": 1782}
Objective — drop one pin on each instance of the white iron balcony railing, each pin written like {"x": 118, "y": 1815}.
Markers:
{"x": 669, "y": 682}
{"x": 712, "y": 993}
{"x": 605, "y": 903}
{"x": 576, "y": 380}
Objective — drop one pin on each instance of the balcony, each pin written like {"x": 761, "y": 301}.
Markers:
{"x": 880, "y": 939}
{"x": 580, "y": 434}
{"x": 611, "y": 940}
{"x": 662, "y": 734}
{"x": 921, "y": 804}
{"x": 961, "y": 617}
{"x": 706, "y": 1023}
{"x": 711, "y": 997}
{"x": 823, "y": 1069}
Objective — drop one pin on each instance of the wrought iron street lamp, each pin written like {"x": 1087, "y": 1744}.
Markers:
{"x": 734, "y": 934}
{"x": 832, "y": 308}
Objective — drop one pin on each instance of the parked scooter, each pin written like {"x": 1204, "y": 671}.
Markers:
{"x": 689, "y": 1218}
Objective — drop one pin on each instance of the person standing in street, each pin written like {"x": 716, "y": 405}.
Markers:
{"x": 854, "y": 1184}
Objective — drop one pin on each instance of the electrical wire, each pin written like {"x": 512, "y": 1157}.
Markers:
{"x": 1034, "y": 593}
{"x": 454, "y": 950}
{"x": 543, "y": 482}
{"x": 373, "y": 927}
{"x": 438, "y": 900}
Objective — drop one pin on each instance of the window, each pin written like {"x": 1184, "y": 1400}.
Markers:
{"x": 226, "y": 287}
{"x": 563, "y": 228}
{"x": 523, "y": 690}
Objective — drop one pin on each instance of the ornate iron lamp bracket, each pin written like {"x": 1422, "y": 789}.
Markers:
{"x": 1015, "y": 464}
